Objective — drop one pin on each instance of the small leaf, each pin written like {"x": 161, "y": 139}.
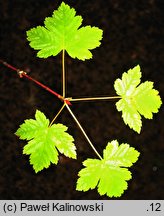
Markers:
{"x": 62, "y": 32}
{"x": 108, "y": 174}
{"x": 136, "y": 99}
{"x": 44, "y": 141}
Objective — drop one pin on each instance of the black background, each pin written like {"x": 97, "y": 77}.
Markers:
{"x": 133, "y": 34}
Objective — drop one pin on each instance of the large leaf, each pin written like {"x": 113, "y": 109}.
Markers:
{"x": 108, "y": 174}
{"x": 62, "y": 32}
{"x": 136, "y": 100}
{"x": 44, "y": 140}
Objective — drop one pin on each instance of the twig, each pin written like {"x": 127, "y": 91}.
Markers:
{"x": 9, "y": 66}
{"x": 22, "y": 74}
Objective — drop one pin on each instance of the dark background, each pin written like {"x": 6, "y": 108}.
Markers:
{"x": 133, "y": 34}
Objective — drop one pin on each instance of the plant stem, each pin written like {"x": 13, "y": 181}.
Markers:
{"x": 8, "y": 65}
{"x": 78, "y": 123}
{"x": 63, "y": 71}
{"x": 45, "y": 87}
{"x": 22, "y": 74}
{"x": 57, "y": 114}
{"x": 94, "y": 98}
{"x": 40, "y": 84}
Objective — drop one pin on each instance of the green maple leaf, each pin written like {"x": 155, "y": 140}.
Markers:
{"x": 136, "y": 100}
{"x": 44, "y": 140}
{"x": 109, "y": 174}
{"x": 62, "y": 32}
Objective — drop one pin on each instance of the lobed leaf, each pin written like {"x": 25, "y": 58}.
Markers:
{"x": 136, "y": 100}
{"x": 44, "y": 141}
{"x": 62, "y": 32}
{"x": 109, "y": 174}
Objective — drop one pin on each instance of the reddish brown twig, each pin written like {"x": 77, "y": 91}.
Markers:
{"x": 22, "y": 74}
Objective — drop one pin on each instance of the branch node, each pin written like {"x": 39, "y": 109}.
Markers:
{"x": 21, "y": 73}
